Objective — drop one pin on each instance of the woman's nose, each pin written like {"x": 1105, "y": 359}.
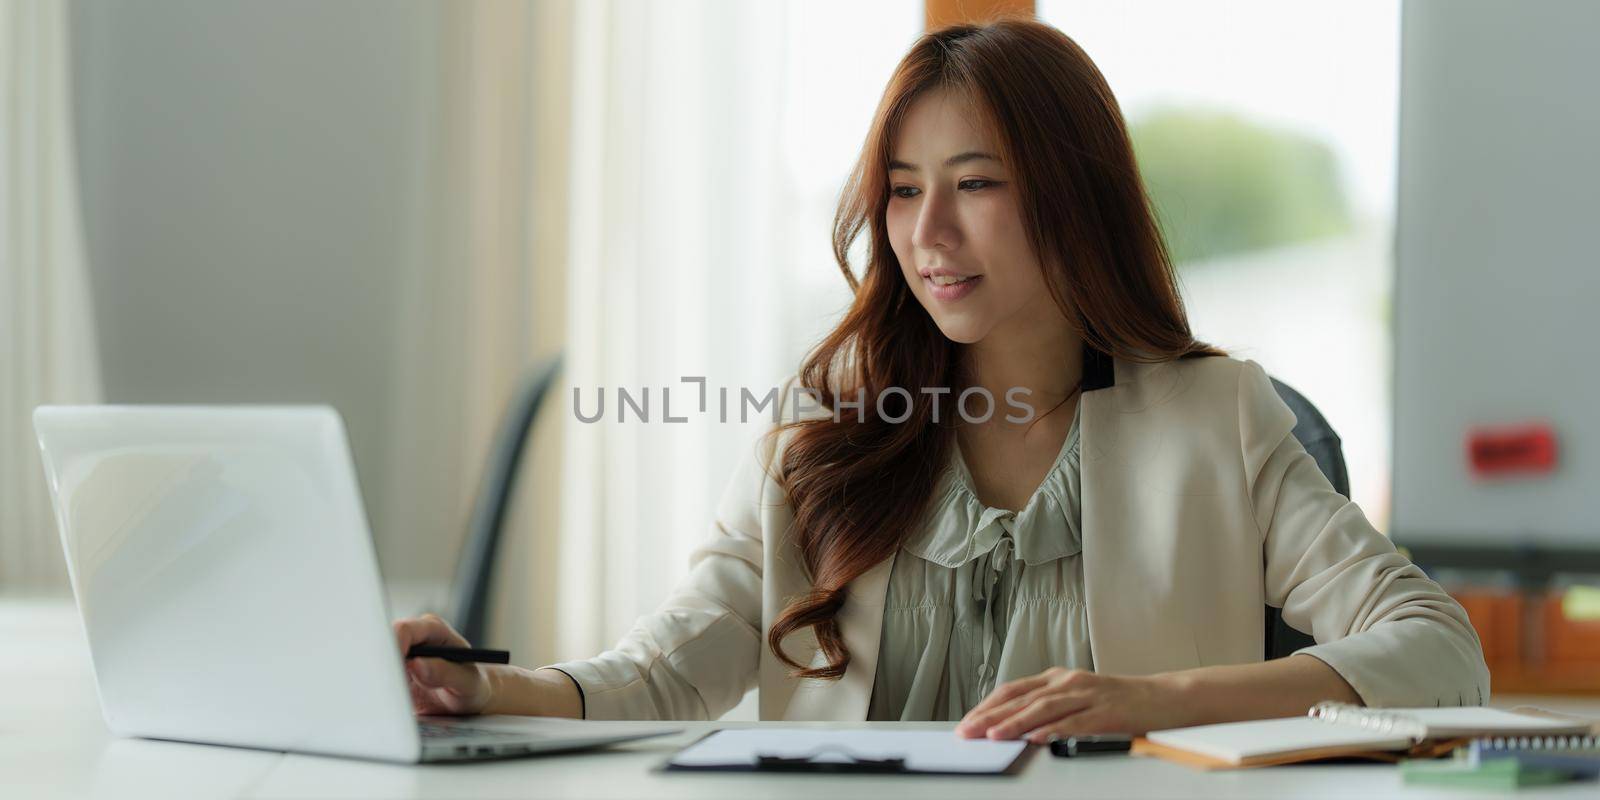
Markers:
{"x": 936, "y": 228}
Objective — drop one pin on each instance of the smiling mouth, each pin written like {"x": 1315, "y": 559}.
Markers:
{"x": 950, "y": 289}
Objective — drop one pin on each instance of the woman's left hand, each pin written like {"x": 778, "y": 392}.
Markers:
{"x": 1062, "y": 702}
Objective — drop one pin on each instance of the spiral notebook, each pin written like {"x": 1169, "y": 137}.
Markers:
{"x": 1576, "y": 755}
{"x": 1338, "y": 730}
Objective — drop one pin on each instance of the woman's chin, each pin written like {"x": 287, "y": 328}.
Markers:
{"x": 962, "y": 331}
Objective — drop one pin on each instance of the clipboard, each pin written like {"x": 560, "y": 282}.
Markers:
{"x": 819, "y": 751}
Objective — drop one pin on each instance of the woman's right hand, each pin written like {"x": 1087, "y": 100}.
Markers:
{"x": 439, "y": 686}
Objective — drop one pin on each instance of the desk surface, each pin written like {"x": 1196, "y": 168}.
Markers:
{"x": 54, "y": 744}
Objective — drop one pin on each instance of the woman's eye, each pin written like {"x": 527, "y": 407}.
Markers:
{"x": 969, "y": 185}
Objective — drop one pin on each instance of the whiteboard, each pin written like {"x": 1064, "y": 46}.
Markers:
{"x": 1497, "y": 274}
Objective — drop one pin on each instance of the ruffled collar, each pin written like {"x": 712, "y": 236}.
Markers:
{"x": 959, "y": 527}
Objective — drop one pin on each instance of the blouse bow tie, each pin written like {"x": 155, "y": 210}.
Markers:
{"x": 998, "y": 544}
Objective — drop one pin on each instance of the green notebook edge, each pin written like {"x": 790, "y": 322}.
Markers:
{"x": 1500, "y": 773}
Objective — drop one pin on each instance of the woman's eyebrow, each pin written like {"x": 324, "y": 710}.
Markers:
{"x": 971, "y": 155}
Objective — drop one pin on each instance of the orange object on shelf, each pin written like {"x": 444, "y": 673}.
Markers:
{"x": 1496, "y": 614}
{"x": 1574, "y": 642}
{"x": 1546, "y": 679}
{"x": 1530, "y": 644}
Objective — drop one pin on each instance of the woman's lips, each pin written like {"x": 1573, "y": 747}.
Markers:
{"x": 954, "y": 291}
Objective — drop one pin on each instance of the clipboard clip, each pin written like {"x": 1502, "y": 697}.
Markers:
{"x": 808, "y": 762}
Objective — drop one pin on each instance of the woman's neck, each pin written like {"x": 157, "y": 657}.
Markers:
{"x": 1049, "y": 366}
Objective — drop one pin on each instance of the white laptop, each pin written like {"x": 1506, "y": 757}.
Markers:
{"x": 225, "y": 573}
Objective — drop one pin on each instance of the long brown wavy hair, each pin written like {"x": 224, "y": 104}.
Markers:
{"x": 857, "y": 486}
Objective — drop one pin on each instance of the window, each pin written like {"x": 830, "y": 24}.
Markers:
{"x": 1266, "y": 134}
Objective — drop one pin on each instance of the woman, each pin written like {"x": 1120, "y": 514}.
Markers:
{"x": 1099, "y": 562}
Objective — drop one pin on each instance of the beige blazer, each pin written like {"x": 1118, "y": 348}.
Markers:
{"x": 1199, "y": 508}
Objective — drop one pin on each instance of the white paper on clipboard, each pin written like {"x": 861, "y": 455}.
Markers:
{"x": 923, "y": 751}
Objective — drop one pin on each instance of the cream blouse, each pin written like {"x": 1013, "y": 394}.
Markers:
{"x": 983, "y": 595}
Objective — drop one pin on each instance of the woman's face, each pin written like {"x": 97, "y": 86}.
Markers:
{"x": 953, "y": 213}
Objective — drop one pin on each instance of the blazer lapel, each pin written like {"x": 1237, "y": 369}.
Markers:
{"x": 1138, "y": 622}
{"x": 861, "y": 624}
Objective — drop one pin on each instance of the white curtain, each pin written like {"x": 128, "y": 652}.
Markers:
{"x": 647, "y": 187}
{"x": 676, "y": 270}
{"x": 709, "y": 142}
{"x": 483, "y": 307}
{"x": 47, "y": 346}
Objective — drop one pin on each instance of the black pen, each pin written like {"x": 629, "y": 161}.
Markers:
{"x": 459, "y": 654}
{"x": 1073, "y": 746}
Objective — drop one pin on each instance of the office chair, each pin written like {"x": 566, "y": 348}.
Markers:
{"x": 1314, "y": 433}
{"x": 469, "y": 611}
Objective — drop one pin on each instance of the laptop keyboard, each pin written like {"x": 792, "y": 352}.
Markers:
{"x": 431, "y": 730}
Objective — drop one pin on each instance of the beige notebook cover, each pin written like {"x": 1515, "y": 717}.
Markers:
{"x": 1332, "y": 730}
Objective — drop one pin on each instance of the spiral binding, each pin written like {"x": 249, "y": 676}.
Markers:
{"x": 1369, "y": 719}
{"x": 1575, "y": 742}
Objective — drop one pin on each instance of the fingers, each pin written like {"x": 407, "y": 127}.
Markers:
{"x": 976, "y": 721}
{"x": 1042, "y": 712}
{"x": 422, "y": 701}
{"x": 983, "y": 723}
{"x": 428, "y": 700}
{"x": 1012, "y": 697}
{"x": 440, "y": 687}
{"x": 460, "y": 680}
{"x": 426, "y": 629}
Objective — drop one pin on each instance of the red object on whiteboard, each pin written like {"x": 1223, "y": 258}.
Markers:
{"x": 1511, "y": 450}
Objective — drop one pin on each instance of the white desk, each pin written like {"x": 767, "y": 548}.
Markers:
{"x": 54, "y": 744}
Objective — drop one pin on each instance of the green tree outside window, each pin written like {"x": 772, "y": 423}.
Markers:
{"x": 1222, "y": 184}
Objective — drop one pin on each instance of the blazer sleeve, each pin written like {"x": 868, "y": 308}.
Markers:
{"x": 696, "y": 655}
{"x": 1392, "y": 633}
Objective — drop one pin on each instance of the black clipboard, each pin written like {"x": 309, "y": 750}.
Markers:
{"x": 855, "y": 765}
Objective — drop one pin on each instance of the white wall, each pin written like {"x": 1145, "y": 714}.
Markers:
{"x": 1496, "y": 276}
{"x": 256, "y": 178}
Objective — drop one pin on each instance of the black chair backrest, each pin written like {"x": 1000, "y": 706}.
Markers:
{"x": 469, "y": 611}
{"x": 1314, "y": 433}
